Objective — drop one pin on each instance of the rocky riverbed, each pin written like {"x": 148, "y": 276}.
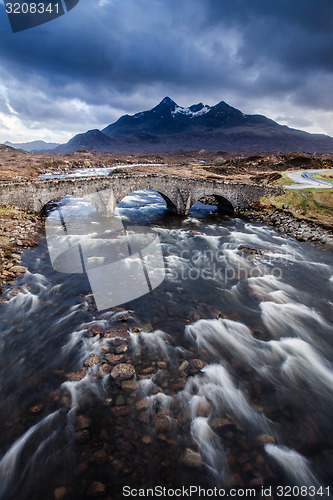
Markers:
{"x": 288, "y": 225}
{"x": 146, "y": 402}
{"x": 18, "y": 231}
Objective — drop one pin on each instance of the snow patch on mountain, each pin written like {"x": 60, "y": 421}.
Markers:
{"x": 188, "y": 112}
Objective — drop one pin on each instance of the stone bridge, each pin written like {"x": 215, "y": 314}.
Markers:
{"x": 105, "y": 192}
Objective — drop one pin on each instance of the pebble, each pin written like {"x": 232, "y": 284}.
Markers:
{"x": 222, "y": 423}
{"x": 59, "y": 493}
{"x": 120, "y": 400}
{"x": 104, "y": 369}
{"x": 183, "y": 366}
{"x": 82, "y": 422}
{"x": 266, "y": 439}
{"x": 114, "y": 359}
{"x": 192, "y": 458}
{"x": 18, "y": 269}
{"x": 95, "y": 330}
{"x": 96, "y": 488}
{"x": 122, "y": 372}
{"x": 121, "y": 348}
{"x": 196, "y": 365}
{"x": 91, "y": 360}
{"x": 163, "y": 423}
{"x": 99, "y": 456}
{"x": 150, "y": 369}
{"x": 120, "y": 411}
{"x": 235, "y": 481}
{"x": 203, "y": 409}
{"x": 143, "y": 404}
{"x": 119, "y": 331}
{"x": 76, "y": 376}
{"x": 37, "y": 408}
{"x": 147, "y": 440}
{"x": 82, "y": 436}
{"x": 129, "y": 385}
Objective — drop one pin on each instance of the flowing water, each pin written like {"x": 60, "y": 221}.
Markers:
{"x": 233, "y": 360}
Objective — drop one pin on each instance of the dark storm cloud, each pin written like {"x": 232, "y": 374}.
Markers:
{"x": 122, "y": 55}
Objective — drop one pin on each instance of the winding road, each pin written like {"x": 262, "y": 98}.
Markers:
{"x": 304, "y": 179}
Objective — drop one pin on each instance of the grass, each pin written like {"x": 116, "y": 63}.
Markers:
{"x": 283, "y": 181}
{"x": 305, "y": 208}
{"x": 323, "y": 177}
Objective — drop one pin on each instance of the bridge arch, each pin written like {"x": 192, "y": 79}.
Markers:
{"x": 223, "y": 204}
{"x": 170, "y": 205}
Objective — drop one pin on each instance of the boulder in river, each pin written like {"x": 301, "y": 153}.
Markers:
{"x": 91, "y": 360}
{"x": 196, "y": 365}
{"x": 95, "y": 330}
{"x": 103, "y": 369}
{"x": 118, "y": 331}
{"x": 18, "y": 269}
{"x": 122, "y": 371}
{"x": 114, "y": 359}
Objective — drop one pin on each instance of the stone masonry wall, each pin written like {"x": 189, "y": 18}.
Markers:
{"x": 106, "y": 192}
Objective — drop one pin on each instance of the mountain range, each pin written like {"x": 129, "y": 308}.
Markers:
{"x": 33, "y": 146}
{"x": 169, "y": 127}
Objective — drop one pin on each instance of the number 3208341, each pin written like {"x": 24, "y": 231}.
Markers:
{"x": 32, "y": 8}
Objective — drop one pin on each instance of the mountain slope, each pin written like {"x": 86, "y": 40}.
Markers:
{"x": 33, "y": 146}
{"x": 221, "y": 127}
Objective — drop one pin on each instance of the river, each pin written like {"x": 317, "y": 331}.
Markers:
{"x": 233, "y": 361}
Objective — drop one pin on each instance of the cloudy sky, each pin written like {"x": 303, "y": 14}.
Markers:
{"x": 109, "y": 57}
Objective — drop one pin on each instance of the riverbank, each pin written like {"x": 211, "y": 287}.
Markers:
{"x": 18, "y": 231}
{"x": 289, "y": 225}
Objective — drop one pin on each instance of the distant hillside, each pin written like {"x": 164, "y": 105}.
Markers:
{"x": 169, "y": 127}
{"x": 33, "y": 146}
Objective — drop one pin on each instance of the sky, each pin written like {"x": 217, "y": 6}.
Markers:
{"x": 106, "y": 58}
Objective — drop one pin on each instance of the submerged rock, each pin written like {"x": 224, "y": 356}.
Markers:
{"x": 122, "y": 372}
{"x": 192, "y": 458}
{"x": 196, "y": 365}
{"x": 96, "y": 488}
{"x": 76, "y": 376}
{"x": 91, "y": 360}
{"x": 122, "y": 348}
{"x": 59, "y": 493}
{"x": 129, "y": 385}
{"x": 119, "y": 331}
{"x": 250, "y": 250}
{"x": 82, "y": 422}
{"x": 37, "y": 408}
{"x": 266, "y": 439}
{"x": 114, "y": 359}
{"x": 144, "y": 404}
{"x": 104, "y": 369}
{"x": 183, "y": 366}
{"x": 222, "y": 423}
{"x": 95, "y": 330}
{"x": 120, "y": 411}
{"x": 18, "y": 269}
